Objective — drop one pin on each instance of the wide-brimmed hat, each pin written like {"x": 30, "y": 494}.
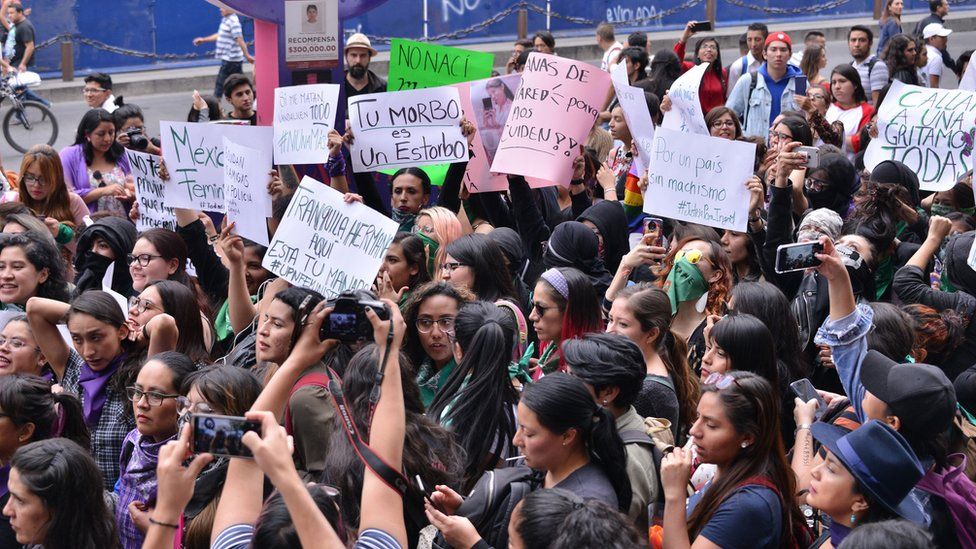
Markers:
{"x": 360, "y": 40}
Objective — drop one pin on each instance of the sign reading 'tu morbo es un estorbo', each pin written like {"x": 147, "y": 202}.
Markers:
{"x": 928, "y": 130}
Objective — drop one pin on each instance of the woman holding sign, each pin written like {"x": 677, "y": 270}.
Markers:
{"x": 714, "y": 82}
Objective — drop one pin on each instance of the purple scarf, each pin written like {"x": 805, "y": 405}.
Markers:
{"x": 93, "y": 389}
{"x": 137, "y": 482}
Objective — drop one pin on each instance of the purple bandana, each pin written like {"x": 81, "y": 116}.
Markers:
{"x": 93, "y": 389}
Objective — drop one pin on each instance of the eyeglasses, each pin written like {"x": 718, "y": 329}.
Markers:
{"x": 426, "y": 325}
{"x": 140, "y": 305}
{"x": 779, "y": 136}
{"x": 142, "y": 259}
{"x": 15, "y": 343}
{"x": 184, "y": 406}
{"x": 708, "y": 46}
{"x": 135, "y": 394}
{"x": 452, "y": 266}
{"x": 721, "y": 381}
{"x": 93, "y": 91}
{"x": 426, "y": 229}
{"x": 32, "y": 180}
{"x": 814, "y": 184}
{"x": 723, "y": 124}
{"x": 817, "y": 97}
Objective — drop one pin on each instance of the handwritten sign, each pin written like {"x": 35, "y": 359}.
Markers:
{"x": 245, "y": 190}
{"x": 416, "y": 65}
{"x": 636, "y": 114}
{"x": 686, "y": 113}
{"x": 925, "y": 129}
{"x": 326, "y": 244}
{"x": 552, "y": 114}
{"x": 194, "y": 156}
{"x": 699, "y": 178}
{"x": 303, "y": 116}
{"x": 408, "y": 128}
{"x": 153, "y": 213}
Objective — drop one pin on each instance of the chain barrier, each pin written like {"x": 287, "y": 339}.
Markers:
{"x": 99, "y": 45}
{"x": 626, "y": 23}
{"x": 790, "y": 11}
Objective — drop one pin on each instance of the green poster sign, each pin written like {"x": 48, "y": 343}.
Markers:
{"x": 416, "y": 65}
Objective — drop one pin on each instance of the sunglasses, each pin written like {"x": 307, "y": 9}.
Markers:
{"x": 721, "y": 381}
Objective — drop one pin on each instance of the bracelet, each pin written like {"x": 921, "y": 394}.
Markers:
{"x": 336, "y": 165}
{"x": 579, "y": 181}
{"x": 166, "y": 524}
{"x": 801, "y": 426}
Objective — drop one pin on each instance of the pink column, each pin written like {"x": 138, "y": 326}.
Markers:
{"x": 265, "y": 68}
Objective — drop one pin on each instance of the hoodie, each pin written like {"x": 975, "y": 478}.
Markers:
{"x": 777, "y": 87}
{"x": 120, "y": 234}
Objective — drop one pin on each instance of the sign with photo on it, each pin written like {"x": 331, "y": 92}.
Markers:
{"x": 311, "y": 34}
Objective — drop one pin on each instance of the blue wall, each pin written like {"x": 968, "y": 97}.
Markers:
{"x": 166, "y": 27}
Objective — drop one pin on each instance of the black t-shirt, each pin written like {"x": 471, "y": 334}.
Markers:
{"x": 23, "y": 34}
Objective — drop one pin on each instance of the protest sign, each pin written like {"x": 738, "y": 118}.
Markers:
{"x": 636, "y": 114}
{"x": 407, "y": 128}
{"x": 194, "y": 158}
{"x": 926, "y": 129}
{"x": 416, "y": 65}
{"x": 153, "y": 212}
{"x": 968, "y": 80}
{"x": 477, "y": 175}
{"x": 245, "y": 190}
{"x": 700, "y": 179}
{"x": 491, "y": 103}
{"x": 686, "y": 113}
{"x": 303, "y": 116}
{"x": 107, "y": 280}
{"x": 311, "y": 34}
{"x": 327, "y": 245}
{"x": 551, "y": 116}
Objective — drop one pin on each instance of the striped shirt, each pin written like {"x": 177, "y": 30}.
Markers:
{"x": 239, "y": 536}
{"x": 227, "y": 48}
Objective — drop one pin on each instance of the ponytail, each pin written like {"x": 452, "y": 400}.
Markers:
{"x": 70, "y": 420}
{"x": 477, "y": 400}
{"x": 562, "y": 402}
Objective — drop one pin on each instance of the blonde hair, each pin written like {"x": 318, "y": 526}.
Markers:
{"x": 447, "y": 229}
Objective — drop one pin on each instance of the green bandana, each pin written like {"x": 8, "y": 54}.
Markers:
{"x": 431, "y": 246}
{"x": 941, "y": 209}
{"x": 684, "y": 283}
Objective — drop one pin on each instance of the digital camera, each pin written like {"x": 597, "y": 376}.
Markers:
{"x": 348, "y": 321}
{"x": 137, "y": 140}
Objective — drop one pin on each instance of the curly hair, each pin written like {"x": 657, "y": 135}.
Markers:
{"x": 938, "y": 333}
{"x": 719, "y": 290}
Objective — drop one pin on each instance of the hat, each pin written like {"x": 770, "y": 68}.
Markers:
{"x": 778, "y": 37}
{"x": 919, "y": 394}
{"x": 881, "y": 461}
{"x": 824, "y": 221}
{"x": 935, "y": 29}
{"x": 359, "y": 40}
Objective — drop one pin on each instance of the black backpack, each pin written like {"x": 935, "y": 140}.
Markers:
{"x": 491, "y": 502}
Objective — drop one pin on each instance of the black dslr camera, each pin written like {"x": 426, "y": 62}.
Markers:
{"x": 137, "y": 140}
{"x": 348, "y": 321}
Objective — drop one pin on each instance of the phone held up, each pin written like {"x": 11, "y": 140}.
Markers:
{"x": 701, "y": 26}
{"x": 221, "y": 435}
{"x": 797, "y": 257}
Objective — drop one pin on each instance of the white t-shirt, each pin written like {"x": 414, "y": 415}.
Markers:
{"x": 611, "y": 52}
{"x": 935, "y": 65}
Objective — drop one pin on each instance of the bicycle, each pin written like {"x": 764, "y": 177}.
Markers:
{"x": 28, "y": 122}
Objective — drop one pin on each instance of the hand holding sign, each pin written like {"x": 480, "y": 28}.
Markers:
{"x": 303, "y": 117}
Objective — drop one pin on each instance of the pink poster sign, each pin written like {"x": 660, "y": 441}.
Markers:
{"x": 478, "y": 177}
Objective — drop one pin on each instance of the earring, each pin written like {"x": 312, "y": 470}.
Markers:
{"x": 604, "y": 403}
{"x": 744, "y": 444}
{"x": 701, "y": 303}
{"x": 853, "y": 519}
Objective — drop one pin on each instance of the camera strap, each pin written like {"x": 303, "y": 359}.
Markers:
{"x": 374, "y": 395}
{"x": 413, "y": 502}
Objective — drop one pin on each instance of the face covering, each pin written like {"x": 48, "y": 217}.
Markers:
{"x": 431, "y": 246}
{"x": 685, "y": 283}
{"x": 941, "y": 209}
{"x": 405, "y": 219}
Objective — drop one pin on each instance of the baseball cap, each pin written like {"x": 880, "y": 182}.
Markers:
{"x": 935, "y": 29}
{"x": 779, "y": 37}
{"x": 919, "y": 394}
{"x": 360, "y": 40}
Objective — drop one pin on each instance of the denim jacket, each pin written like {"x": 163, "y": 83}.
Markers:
{"x": 759, "y": 104}
{"x": 847, "y": 339}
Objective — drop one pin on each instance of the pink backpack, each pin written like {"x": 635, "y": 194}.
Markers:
{"x": 959, "y": 493}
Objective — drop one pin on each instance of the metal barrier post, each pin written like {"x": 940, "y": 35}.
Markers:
{"x": 878, "y": 7}
{"x": 67, "y": 61}
{"x": 522, "y": 23}
{"x": 710, "y": 10}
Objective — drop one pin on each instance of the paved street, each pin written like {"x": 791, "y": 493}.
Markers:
{"x": 175, "y": 106}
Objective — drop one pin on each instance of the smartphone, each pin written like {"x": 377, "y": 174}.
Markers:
{"x": 813, "y": 156}
{"x": 797, "y": 257}
{"x": 221, "y": 435}
{"x": 699, "y": 26}
{"x": 654, "y": 226}
{"x": 800, "y": 85}
{"x": 806, "y": 391}
{"x": 486, "y": 103}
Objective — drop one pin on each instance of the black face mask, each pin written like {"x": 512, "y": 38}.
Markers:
{"x": 862, "y": 282}
{"x": 95, "y": 261}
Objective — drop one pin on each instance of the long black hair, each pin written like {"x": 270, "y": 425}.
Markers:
{"x": 413, "y": 348}
{"x": 89, "y": 123}
{"x": 749, "y": 345}
{"x": 607, "y": 360}
{"x": 42, "y": 254}
{"x": 102, "y": 307}
{"x": 180, "y": 302}
{"x": 415, "y": 255}
{"x": 665, "y": 69}
{"x": 491, "y": 280}
{"x": 850, "y": 73}
{"x": 64, "y": 476}
{"x": 28, "y": 399}
{"x": 716, "y": 65}
{"x": 477, "y": 402}
{"x": 562, "y": 402}
{"x": 769, "y": 304}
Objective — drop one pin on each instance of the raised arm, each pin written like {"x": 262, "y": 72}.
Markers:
{"x": 44, "y": 315}
{"x": 239, "y": 306}
{"x": 163, "y": 334}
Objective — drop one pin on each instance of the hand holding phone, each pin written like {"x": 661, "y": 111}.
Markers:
{"x": 222, "y": 435}
{"x": 701, "y": 26}
{"x": 805, "y": 390}
{"x": 797, "y": 257}
{"x": 813, "y": 156}
{"x": 800, "y": 85}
